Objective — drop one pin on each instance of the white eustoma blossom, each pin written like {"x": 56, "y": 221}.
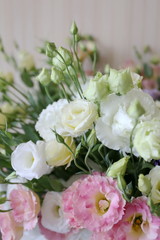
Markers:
{"x": 52, "y": 214}
{"x": 34, "y": 234}
{"x": 68, "y": 119}
{"x": 49, "y": 119}
{"x": 77, "y": 117}
{"x": 147, "y": 139}
{"x": 115, "y": 125}
{"x": 82, "y": 234}
{"x": 28, "y": 160}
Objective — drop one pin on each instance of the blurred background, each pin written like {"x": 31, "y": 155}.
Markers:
{"x": 117, "y": 25}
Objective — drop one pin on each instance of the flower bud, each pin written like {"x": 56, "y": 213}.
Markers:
{"x": 57, "y": 154}
{"x": 118, "y": 167}
{"x": 121, "y": 182}
{"x": 50, "y": 49}
{"x": 58, "y": 63}
{"x": 92, "y": 139}
{"x": 44, "y": 77}
{"x": 8, "y": 108}
{"x": 135, "y": 109}
{"x": 66, "y": 55}
{"x": 74, "y": 29}
{"x": 26, "y": 61}
{"x": 120, "y": 82}
{"x": 57, "y": 76}
{"x": 3, "y": 121}
{"x": 144, "y": 184}
{"x": 98, "y": 88}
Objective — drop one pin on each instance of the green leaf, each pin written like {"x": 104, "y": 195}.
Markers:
{"x": 148, "y": 71}
{"x": 8, "y": 210}
{"x": 3, "y": 200}
{"x": 26, "y": 78}
{"x": 155, "y": 208}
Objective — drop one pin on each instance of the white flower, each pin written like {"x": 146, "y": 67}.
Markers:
{"x": 28, "y": 160}
{"x": 154, "y": 176}
{"x": 114, "y": 127}
{"x": 49, "y": 119}
{"x": 52, "y": 214}
{"x": 147, "y": 139}
{"x": 68, "y": 119}
{"x": 34, "y": 234}
{"x": 82, "y": 234}
{"x": 137, "y": 79}
{"x": 26, "y": 61}
{"x": 77, "y": 117}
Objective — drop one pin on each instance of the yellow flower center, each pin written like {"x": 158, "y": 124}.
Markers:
{"x": 102, "y": 204}
{"x": 137, "y": 223}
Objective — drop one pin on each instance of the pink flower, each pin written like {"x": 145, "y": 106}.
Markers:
{"x": 138, "y": 223}
{"x": 9, "y": 229}
{"x": 94, "y": 203}
{"x": 26, "y": 206}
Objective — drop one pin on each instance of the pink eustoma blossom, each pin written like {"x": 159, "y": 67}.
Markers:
{"x": 26, "y": 206}
{"x": 9, "y": 229}
{"x": 137, "y": 223}
{"x": 94, "y": 203}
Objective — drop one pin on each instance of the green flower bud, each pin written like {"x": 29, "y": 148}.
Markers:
{"x": 74, "y": 29}
{"x": 144, "y": 184}
{"x": 3, "y": 121}
{"x": 120, "y": 82}
{"x": 121, "y": 182}
{"x": 66, "y": 55}
{"x": 8, "y": 108}
{"x": 57, "y": 76}
{"x": 70, "y": 70}
{"x": 135, "y": 109}
{"x": 44, "y": 77}
{"x": 118, "y": 167}
{"x": 58, "y": 63}
{"x": 92, "y": 139}
{"x": 50, "y": 49}
{"x": 77, "y": 37}
{"x": 155, "y": 60}
{"x": 107, "y": 69}
{"x": 98, "y": 88}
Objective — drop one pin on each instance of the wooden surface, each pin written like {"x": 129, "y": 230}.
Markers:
{"x": 118, "y": 25}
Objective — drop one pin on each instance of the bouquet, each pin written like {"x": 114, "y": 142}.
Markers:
{"x": 80, "y": 154}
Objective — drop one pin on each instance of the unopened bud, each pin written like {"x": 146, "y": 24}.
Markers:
{"x": 144, "y": 184}
{"x": 44, "y": 77}
{"x": 73, "y": 29}
{"x": 57, "y": 75}
{"x": 118, "y": 167}
{"x": 65, "y": 55}
{"x": 50, "y": 49}
{"x": 92, "y": 139}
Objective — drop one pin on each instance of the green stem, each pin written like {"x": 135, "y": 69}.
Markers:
{"x": 48, "y": 94}
{"x": 86, "y": 158}
{"x": 79, "y": 66}
{"x": 64, "y": 92}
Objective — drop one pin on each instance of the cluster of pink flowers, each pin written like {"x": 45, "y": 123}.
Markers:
{"x": 25, "y": 207}
{"x": 92, "y": 208}
{"x": 96, "y": 210}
